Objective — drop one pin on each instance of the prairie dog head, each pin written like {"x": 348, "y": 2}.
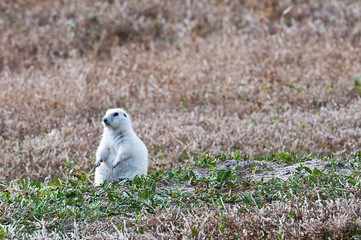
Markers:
{"x": 117, "y": 119}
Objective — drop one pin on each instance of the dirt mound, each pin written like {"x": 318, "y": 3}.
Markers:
{"x": 258, "y": 170}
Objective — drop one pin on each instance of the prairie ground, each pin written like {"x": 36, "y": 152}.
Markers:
{"x": 240, "y": 78}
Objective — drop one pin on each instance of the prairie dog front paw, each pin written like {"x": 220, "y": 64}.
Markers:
{"x": 97, "y": 163}
{"x": 119, "y": 160}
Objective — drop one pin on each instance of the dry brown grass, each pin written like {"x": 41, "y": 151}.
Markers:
{"x": 334, "y": 219}
{"x": 331, "y": 220}
{"x": 192, "y": 87}
{"x": 258, "y": 76}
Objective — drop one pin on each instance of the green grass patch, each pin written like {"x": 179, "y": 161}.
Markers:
{"x": 73, "y": 198}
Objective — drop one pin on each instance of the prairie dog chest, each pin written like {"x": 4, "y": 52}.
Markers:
{"x": 117, "y": 144}
{"x": 112, "y": 151}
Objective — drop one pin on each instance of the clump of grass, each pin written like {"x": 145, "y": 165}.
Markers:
{"x": 357, "y": 83}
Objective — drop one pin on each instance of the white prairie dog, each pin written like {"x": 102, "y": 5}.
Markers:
{"x": 121, "y": 154}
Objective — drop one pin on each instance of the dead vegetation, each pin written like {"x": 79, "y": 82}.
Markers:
{"x": 335, "y": 220}
{"x": 196, "y": 76}
{"x": 331, "y": 220}
{"x": 255, "y": 76}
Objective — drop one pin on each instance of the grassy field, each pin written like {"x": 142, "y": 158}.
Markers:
{"x": 225, "y": 94}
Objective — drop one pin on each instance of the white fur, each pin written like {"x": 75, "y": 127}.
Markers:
{"x": 121, "y": 154}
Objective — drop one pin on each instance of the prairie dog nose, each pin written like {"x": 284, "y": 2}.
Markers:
{"x": 105, "y": 120}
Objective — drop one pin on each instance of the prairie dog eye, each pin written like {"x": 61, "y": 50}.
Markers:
{"x": 115, "y": 114}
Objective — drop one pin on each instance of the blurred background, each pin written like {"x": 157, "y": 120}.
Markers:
{"x": 257, "y": 77}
